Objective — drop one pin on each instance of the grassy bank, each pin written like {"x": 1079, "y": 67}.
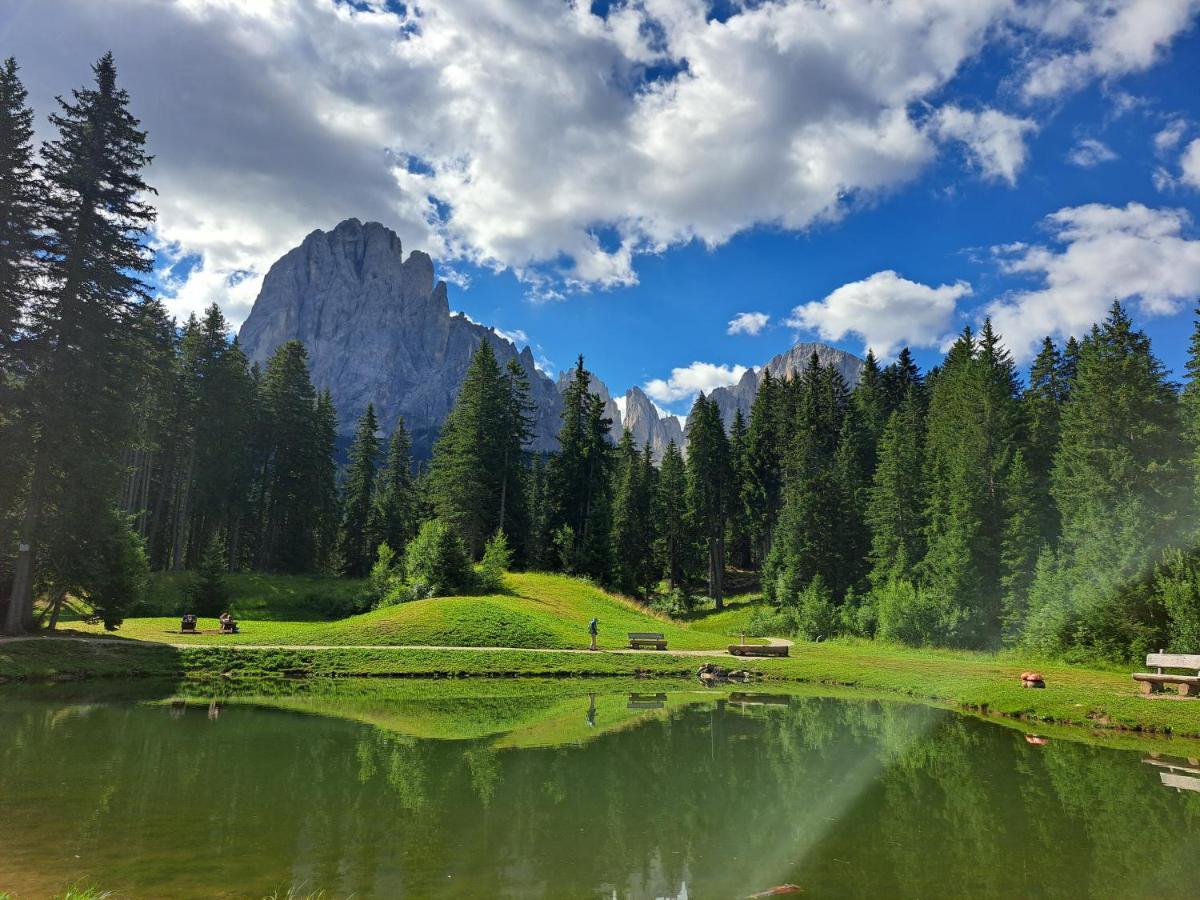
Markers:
{"x": 978, "y": 682}
{"x": 542, "y": 611}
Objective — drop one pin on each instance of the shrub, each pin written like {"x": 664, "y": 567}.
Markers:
{"x": 858, "y": 615}
{"x": 766, "y": 621}
{"x": 497, "y": 559}
{"x": 385, "y": 573}
{"x": 437, "y": 559}
{"x": 916, "y": 616}
{"x": 816, "y": 616}
{"x": 675, "y": 603}
{"x": 1177, "y": 583}
{"x": 208, "y": 592}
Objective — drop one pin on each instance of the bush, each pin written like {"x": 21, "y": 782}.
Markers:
{"x": 766, "y": 621}
{"x": 1177, "y": 583}
{"x": 116, "y": 569}
{"x": 858, "y": 615}
{"x": 816, "y": 616}
{"x": 437, "y": 560}
{"x": 497, "y": 559}
{"x": 915, "y": 616}
{"x": 675, "y": 603}
{"x": 385, "y": 574}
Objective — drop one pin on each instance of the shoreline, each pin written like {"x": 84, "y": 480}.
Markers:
{"x": 973, "y": 683}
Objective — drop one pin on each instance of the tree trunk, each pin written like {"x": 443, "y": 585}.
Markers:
{"x": 55, "y": 608}
{"x": 19, "y": 617}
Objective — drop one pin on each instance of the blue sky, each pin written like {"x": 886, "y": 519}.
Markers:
{"x": 625, "y": 179}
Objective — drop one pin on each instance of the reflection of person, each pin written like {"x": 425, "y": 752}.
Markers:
{"x": 591, "y": 713}
{"x": 593, "y": 630}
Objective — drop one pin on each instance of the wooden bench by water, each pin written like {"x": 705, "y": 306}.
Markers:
{"x": 639, "y": 640}
{"x": 1186, "y": 685}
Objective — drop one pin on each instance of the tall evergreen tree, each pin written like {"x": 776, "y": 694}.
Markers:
{"x": 394, "y": 509}
{"x": 709, "y": 488}
{"x": 95, "y": 255}
{"x": 579, "y": 485}
{"x": 470, "y": 472}
{"x": 20, "y": 209}
{"x": 1023, "y": 542}
{"x": 763, "y": 483}
{"x": 973, "y": 430}
{"x": 1042, "y": 407}
{"x": 896, "y": 507}
{"x": 355, "y": 551}
{"x": 740, "y": 539}
{"x": 674, "y": 540}
{"x": 632, "y": 520}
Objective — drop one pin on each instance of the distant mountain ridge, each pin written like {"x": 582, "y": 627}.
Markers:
{"x": 378, "y": 329}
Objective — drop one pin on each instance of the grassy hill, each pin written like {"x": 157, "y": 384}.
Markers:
{"x": 542, "y": 611}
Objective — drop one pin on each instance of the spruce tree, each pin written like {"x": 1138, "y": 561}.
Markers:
{"x": 356, "y": 553}
{"x": 1042, "y": 407}
{"x": 1023, "y": 542}
{"x": 20, "y": 210}
{"x": 579, "y": 486}
{"x": 740, "y": 539}
{"x": 896, "y": 505}
{"x": 632, "y": 520}
{"x": 674, "y": 539}
{"x": 1190, "y": 401}
{"x": 763, "y": 483}
{"x": 709, "y": 484}
{"x": 394, "y": 509}
{"x": 973, "y": 429}
{"x": 94, "y": 254}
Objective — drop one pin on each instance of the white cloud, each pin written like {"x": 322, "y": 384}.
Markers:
{"x": 1189, "y": 164}
{"x": 687, "y": 382}
{"x": 1170, "y": 136}
{"x": 1089, "y": 153}
{"x": 748, "y": 323}
{"x": 995, "y": 141}
{"x": 887, "y": 311}
{"x": 516, "y": 336}
{"x": 527, "y": 135}
{"x": 619, "y": 402}
{"x": 1103, "y": 253}
{"x": 1098, "y": 39}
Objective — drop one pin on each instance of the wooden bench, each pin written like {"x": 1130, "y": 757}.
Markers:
{"x": 639, "y": 640}
{"x": 229, "y": 628}
{"x": 758, "y": 649}
{"x": 647, "y": 701}
{"x": 1186, "y": 685}
{"x": 187, "y": 625}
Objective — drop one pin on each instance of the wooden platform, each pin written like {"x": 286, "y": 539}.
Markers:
{"x": 758, "y": 649}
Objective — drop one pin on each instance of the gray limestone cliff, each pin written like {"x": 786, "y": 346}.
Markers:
{"x": 378, "y": 329}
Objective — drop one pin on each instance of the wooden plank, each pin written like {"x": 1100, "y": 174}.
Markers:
{"x": 1166, "y": 679}
{"x": 1174, "y": 660}
{"x": 645, "y": 635}
{"x": 1179, "y": 782}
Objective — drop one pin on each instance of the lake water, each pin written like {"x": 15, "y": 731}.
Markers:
{"x": 569, "y": 789}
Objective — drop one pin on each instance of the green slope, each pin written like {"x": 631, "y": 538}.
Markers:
{"x": 543, "y": 611}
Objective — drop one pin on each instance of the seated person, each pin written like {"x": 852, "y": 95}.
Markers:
{"x": 228, "y": 623}
{"x": 188, "y": 622}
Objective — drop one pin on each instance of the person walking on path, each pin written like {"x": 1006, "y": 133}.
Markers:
{"x": 593, "y": 630}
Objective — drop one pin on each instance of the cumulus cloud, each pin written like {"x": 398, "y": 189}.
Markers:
{"x": 516, "y": 336}
{"x": 1089, "y": 153}
{"x": 1098, "y": 254}
{"x": 1189, "y": 164}
{"x": 887, "y": 311}
{"x": 1169, "y": 136}
{"x": 536, "y": 135}
{"x": 689, "y": 381}
{"x": 750, "y": 323}
{"x": 1098, "y": 39}
{"x": 995, "y": 141}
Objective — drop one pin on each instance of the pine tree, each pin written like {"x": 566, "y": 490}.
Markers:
{"x": 20, "y": 209}
{"x": 394, "y": 509}
{"x": 1042, "y": 407}
{"x": 674, "y": 540}
{"x": 468, "y": 474}
{"x": 740, "y": 540}
{"x": 632, "y": 520}
{"x": 973, "y": 430}
{"x": 208, "y": 594}
{"x": 763, "y": 482}
{"x": 1023, "y": 542}
{"x": 355, "y": 550}
{"x": 95, "y": 254}
{"x": 515, "y": 433}
{"x": 1190, "y": 401}
{"x": 709, "y": 484}
{"x": 896, "y": 506}
{"x": 1121, "y": 483}
{"x": 579, "y": 485}
{"x": 871, "y": 405}
{"x": 899, "y": 378}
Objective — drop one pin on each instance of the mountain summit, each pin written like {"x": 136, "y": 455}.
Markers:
{"x": 378, "y": 329}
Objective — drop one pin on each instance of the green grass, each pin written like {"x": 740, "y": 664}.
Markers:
{"x": 543, "y": 611}
{"x": 733, "y": 621}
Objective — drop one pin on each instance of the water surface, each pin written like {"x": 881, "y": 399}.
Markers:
{"x": 519, "y": 789}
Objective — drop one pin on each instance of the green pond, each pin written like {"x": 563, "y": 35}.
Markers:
{"x": 566, "y": 789}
